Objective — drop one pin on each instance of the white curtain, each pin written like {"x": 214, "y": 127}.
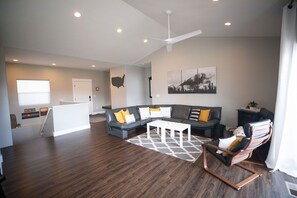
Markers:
{"x": 283, "y": 150}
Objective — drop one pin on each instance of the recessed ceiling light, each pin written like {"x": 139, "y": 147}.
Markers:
{"x": 54, "y": 64}
{"x": 119, "y": 30}
{"x": 77, "y": 14}
{"x": 93, "y": 66}
{"x": 227, "y": 23}
{"x": 15, "y": 60}
{"x": 215, "y": 0}
{"x": 145, "y": 40}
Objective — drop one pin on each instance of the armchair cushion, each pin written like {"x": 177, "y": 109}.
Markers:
{"x": 225, "y": 143}
{"x": 226, "y": 160}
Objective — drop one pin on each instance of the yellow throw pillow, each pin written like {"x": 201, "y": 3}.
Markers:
{"x": 155, "y": 109}
{"x": 204, "y": 115}
{"x": 124, "y": 113}
{"x": 234, "y": 144}
{"x": 119, "y": 116}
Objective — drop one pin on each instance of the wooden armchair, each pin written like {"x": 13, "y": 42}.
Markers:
{"x": 257, "y": 134}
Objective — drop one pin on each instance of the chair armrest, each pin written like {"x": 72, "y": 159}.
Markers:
{"x": 218, "y": 148}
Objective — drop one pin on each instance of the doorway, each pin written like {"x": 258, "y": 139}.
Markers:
{"x": 82, "y": 92}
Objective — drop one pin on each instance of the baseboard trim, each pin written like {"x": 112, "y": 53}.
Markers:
{"x": 72, "y": 130}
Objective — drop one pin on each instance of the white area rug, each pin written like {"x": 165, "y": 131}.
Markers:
{"x": 190, "y": 151}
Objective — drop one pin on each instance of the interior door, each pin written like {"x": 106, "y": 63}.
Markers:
{"x": 82, "y": 92}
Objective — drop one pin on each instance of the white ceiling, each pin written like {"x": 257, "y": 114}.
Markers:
{"x": 44, "y": 31}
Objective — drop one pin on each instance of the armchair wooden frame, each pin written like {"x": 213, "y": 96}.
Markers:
{"x": 260, "y": 135}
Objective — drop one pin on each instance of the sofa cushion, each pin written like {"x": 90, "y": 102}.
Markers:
{"x": 144, "y": 122}
{"x": 119, "y": 116}
{"x": 125, "y": 126}
{"x": 144, "y": 113}
{"x": 204, "y": 115}
{"x": 134, "y": 111}
{"x": 124, "y": 113}
{"x": 130, "y": 118}
{"x": 215, "y": 112}
{"x": 181, "y": 112}
{"x": 166, "y": 112}
{"x": 202, "y": 125}
{"x": 195, "y": 112}
{"x": 172, "y": 119}
{"x": 155, "y": 113}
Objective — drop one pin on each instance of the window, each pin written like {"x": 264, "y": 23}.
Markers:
{"x": 33, "y": 92}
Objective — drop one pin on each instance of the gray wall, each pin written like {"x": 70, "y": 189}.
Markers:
{"x": 60, "y": 83}
{"x": 5, "y": 129}
{"x": 247, "y": 69}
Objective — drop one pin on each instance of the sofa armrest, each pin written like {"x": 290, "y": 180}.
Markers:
{"x": 109, "y": 116}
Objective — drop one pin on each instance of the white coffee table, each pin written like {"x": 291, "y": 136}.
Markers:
{"x": 172, "y": 126}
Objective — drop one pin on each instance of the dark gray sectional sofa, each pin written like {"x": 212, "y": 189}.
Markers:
{"x": 179, "y": 113}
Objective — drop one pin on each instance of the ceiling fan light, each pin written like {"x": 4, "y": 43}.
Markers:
{"x": 77, "y": 14}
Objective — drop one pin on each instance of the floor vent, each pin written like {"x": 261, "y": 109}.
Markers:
{"x": 292, "y": 189}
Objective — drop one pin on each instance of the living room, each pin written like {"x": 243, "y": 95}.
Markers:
{"x": 114, "y": 39}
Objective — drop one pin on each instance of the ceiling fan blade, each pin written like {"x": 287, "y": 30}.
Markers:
{"x": 156, "y": 39}
{"x": 169, "y": 47}
{"x": 183, "y": 37}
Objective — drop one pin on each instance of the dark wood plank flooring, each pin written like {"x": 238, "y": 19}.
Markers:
{"x": 93, "y": 164}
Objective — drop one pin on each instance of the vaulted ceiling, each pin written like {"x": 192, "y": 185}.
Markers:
{"x": 43, "y": 32}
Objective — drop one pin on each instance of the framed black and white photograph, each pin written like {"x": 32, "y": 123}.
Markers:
{"x": 207, "y": 80}
{"x": 174, "y": 80}
{"x": 198, "y": 80}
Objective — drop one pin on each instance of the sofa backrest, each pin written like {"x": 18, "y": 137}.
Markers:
{"x": 111, "y": 117}
{"x": 215, "y": 111}
{"x": 177, "y": 111}
{"x": 181, "y": 111}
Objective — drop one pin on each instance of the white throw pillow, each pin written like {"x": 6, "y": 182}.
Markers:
{"x": 156, "y": 114}
{"x": 239, "y": 131}
{"x": 225, "y": 143}
{"x": 144, "y": 113}
{"x": 166, "y": 112}
{"x": 130, "y": 118}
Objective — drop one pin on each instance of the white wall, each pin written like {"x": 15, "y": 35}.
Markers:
{"x": 70, "y": 118}
{"x": 60, "y": 83}
{"x": 61, "y": 89}
{"x": 247, "y": 69}
{"x": 135, "y": 85}
{"x": 5, "y": 128}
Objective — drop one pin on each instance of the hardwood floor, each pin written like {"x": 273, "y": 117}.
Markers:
{"x": 92, "y": 164}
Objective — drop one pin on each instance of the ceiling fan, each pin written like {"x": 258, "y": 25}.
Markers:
{"x": 170, "y": 41}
